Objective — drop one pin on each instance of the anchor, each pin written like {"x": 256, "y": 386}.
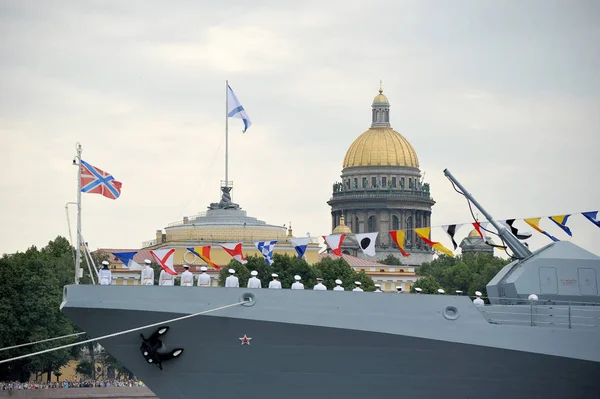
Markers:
{"x": 151, "y": 348}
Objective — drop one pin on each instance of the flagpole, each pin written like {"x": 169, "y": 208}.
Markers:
{"x": 226, "y": 134}
{"x": 78, "y": 248}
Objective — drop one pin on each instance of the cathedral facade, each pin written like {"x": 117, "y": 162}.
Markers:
{"x": 382, "y": 189}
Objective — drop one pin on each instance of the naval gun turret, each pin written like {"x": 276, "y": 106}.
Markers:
{"x": 559, "y": 272}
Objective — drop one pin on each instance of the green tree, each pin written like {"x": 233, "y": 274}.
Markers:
{"x": 428, "y": 284}
{"x": 391, "y": 260}
{"x": 31, "y": 285}
{"x": 331, "y": 269}
{"x": 468, "y": 272}
{"x": 85, "y": 368}
{"x": 285, "y": 266}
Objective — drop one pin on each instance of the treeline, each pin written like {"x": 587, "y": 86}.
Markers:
{"x": 468, "y": 273}
{"x": 286, "y": 267}
{"x": 31, "y": 286}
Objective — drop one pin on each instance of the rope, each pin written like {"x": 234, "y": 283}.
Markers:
{"x": 69, "y": 224}
{"x": 39, "y": 342}
{"x": 122, "y": 332}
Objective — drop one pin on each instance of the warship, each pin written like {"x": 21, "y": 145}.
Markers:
{"x": 223, "y": 343}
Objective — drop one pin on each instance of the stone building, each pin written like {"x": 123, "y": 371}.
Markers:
{"x": 382, "y": 189}
{"x": 222, "y": 222}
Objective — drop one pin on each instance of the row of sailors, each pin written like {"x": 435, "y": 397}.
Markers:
{"x": 254, "y": 282}
{"x": 147, "y": 276}
{"x": 204, "y": 280}
{"x": 187, "y": 280}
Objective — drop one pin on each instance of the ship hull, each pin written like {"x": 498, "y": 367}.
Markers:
{"x": 299, "y": 360}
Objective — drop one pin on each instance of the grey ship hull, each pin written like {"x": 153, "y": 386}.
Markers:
{"x": 335, "y": 344}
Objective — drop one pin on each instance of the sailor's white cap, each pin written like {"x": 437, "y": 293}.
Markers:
{"x": 399, "y": 288}
{"x": 441, "y": 291}
{"x": 186, "y": 266}
{"x": 274, "y": 275}
{"x": 204, "y": 268}
{"x": 418, "y": 289}
{"x": 477, "y": 293}
{"x": 377, "y": 285}
{"x": 338, "y": 281}
{"x": 147, "y": 261}
{"x": 105, "y": 262}
{"x": 297, "y": 278}
{"x": 532, "y": 297}
{"x": 254, "y": 273}
{"x": 319, "y": 279}
{"x": 357, "y": 283}
{"x": 231, "y": 271}
{"x": 458, "y": 291}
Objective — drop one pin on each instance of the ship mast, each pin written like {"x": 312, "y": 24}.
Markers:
{"x": 78, "y": 233}
{"x": 520, "y": 251}
{"x": 226, "y": 133}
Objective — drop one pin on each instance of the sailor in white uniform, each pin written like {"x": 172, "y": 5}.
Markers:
{"x": 319, "y": 286}
{"x": 357, "y": 288}
{"x": 399, "y": 289}
{"x": 187, "y": 278}
{"x": 275, "y": 284}
{"x": 297, "y": 285}
{"x": 232, "y": 281}
{"x": 478, "y": 301}
{"x": 166, "y": 278}
{"x": 105, "y": 274}
{"x": 458, "y": 292}
{"x": 254, "y": 282}
{"x": 203, "y": 278}
{"x": 418, "y": 290}
{"x": 338, "y": 285}
{"x": 377, "y": 288}
{"x": 147, "y": 274}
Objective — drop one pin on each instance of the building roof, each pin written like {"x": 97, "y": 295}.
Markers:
{"x": 342, "y": 228}
{"x": 380, "y": 98}
{"x": 381, "y": 146}
{"x": 353, "y": 261}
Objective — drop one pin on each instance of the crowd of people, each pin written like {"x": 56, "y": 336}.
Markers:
{"x": 16, "y": 385}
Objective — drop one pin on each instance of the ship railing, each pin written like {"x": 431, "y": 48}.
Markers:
{"x": 565, "y": 314}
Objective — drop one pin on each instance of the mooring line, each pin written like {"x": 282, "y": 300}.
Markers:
{"x": 40, "y": 341}
{"x": 123, "y": 332}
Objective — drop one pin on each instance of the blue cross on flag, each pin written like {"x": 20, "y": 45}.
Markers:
{"x": 235, "y": 109}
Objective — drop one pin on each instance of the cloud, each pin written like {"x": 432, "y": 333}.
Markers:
{"x": 511, "y": 112}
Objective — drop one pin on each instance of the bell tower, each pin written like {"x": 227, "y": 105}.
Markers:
{"x": 381, "y": 110}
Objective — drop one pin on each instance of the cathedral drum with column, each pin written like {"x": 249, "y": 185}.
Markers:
{"x": 382, "y": 189}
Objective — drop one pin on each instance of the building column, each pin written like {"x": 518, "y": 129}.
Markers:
{"x": 414, "y": 225}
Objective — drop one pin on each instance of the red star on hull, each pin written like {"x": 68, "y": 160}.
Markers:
{"x": 245, "y": 340}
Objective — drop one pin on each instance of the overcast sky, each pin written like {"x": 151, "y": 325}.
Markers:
{"x": 504, "y": 94}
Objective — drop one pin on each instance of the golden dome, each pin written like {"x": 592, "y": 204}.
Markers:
{"x": 380, "y": 98}
{"x": 474, "y": 233}
{"x": 342, "y": 228}
{"x": 381, "y": 146}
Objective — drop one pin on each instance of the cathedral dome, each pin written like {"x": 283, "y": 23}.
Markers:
{"x": 474, "y": 233}
{"x": 342, "y": 228}
{"x": 381, "y": 146}
{"x": 380, "y": 98}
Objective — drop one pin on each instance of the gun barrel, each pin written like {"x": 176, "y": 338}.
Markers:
{"x": 520, "y": 250}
